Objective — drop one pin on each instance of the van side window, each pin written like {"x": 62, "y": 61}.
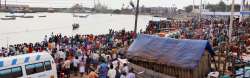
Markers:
{"x": 47, "y": 65}
{"x": 5, "y": 73}
{"x": 13, "y": 72}
{"x": 34, "y": 68}
{"x": 39, "y": 67}
{"x": 16, "y": 72}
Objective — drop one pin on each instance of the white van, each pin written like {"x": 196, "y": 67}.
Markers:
{"x": 33, "y": 65}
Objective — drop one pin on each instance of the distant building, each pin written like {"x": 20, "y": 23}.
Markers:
{"x": 160, "y": 11}
{"x": 100, "y": 8}
{"x": 15, "y": 7}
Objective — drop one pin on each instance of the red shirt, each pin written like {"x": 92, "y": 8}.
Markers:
{"x": 30, "y": 50}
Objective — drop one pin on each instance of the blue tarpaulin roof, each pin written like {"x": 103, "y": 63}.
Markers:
{"x": 176, "y": 52}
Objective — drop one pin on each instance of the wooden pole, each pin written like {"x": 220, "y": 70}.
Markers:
{"x": 136, "y": 15}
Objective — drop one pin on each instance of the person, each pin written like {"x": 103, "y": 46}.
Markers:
{"x": 45, "y": 38}
{"x": 103, "y": 69}
{"x": 75, "y": 65}
{"x": 95, "y": 59}
{"x": 125, "y": 68}
{"x": 131, "y": 73}
{"x": 82, "y": 68}
{"x": 59, "y": 68}
{"x": 87, "y": 69}
{"x": 117, "y": 74}
{"x": 111, "y": 72}
{"x": 123, "y": 75}
{"x": 92, "y": 73}
{"x": 66, "y": 66}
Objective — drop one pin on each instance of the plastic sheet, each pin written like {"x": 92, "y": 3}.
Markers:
{"x": 180, "y": 53}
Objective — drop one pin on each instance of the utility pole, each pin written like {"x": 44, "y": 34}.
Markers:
{"x": 193, "y": 5}
{"x": 231, "y": 22}
{"x": 5, "y": 4}
{"x": 242, "y": 7}
{"x": 94, "y": 4}
{"x": 200, "y": 11}
{"x": 136, "y": 15}
{"x": 230, "y": 31}
{"x": 0, "y": 4}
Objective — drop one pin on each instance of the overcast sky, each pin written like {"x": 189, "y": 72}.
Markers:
{"x": 114, "y": 4}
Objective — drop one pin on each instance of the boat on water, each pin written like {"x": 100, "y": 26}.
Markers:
{"x": 9, "y": 18}
{"x": 75, "y": 26}
{"x": 42, "y": 16}
{"x": 27, "y": 17}
{"x": 14, "y": 15}
{"x": 83, "y": 16}
{"x": 156, "y": 16}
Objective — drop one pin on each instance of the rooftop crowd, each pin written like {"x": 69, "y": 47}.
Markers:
{"x": 217, "y": 33}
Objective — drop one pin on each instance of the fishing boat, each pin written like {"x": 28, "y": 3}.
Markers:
{"x": 28, "y": 17}
{"x": 156, "y": 16}
{"x": 14, "y": 15}
{"x": 42, "y": 16}
{"x": 75, "y": 26}
{"x": 8, "y": 18}
{"x": 83, "y": 16}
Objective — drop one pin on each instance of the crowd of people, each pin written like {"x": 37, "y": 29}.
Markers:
{"x": 94, "y": 56}
{"x": 216, "y": 32}
{"x": 97, "y": 56}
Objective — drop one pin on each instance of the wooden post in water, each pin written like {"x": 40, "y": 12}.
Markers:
{"x": 136, "y": 15}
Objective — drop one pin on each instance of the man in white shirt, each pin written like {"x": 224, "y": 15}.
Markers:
{"x": 62, "y": 54}
{"x": 111, "y": 72}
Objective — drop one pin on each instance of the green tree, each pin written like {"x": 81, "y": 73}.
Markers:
{"x": 117, "y": 11}
{"x": 211, "y": 7}
{"x": 189, "y": 8}
{"x": 221, "y": 6}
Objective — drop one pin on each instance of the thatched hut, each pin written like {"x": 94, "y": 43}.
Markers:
{"x": 178, "y": 58}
